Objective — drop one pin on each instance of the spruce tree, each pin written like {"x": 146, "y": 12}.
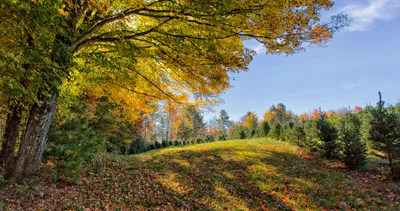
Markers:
{"x": 277, "y": 131}
{"x": 265, "y": 128}
{"x": 385, "y": 135}
{"x": 223, "y": 121}
{"x": 299, "y": 135}
{"x": 327, "y": 133}
{"x": 354, "y": 150}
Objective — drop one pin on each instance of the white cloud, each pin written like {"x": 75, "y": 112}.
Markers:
{"x": 258, "y": 48}
{"x": 365, "y": 15}
{"x": 352, "y": 85}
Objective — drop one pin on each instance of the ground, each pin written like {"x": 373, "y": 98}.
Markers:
{"x": 257, "y": 174}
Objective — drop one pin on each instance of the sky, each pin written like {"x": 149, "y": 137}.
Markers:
{"x": 360, "y": 61}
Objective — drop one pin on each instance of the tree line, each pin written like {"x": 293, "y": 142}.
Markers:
{"x": 345, "y": 134}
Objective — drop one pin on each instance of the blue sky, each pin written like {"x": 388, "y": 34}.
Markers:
{"x": 360, "y": 61}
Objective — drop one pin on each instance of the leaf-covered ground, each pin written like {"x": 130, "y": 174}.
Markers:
{"x": 260, "y": 174}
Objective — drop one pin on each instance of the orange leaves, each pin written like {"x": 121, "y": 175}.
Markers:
{"x": 250, "y": 121}
{"x": 269, "y": 115}
{"x": 304, "y": 117}
{"x": 357, "y": 109}
{"x": 50, "y": 165}
{"x": 320, "y": 34}
{"x": 330, "y": 114}
{"x": 315, "y": 114}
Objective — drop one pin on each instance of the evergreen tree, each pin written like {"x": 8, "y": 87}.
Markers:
{"x": 299, "y": 135}
{"x": 265, "y": 128}
{"x": 327, "y": 133}
{"x": 242, "y": 132}
{"x": 312, "y": 139}
{"x": 277, "y": 131}
{"x": 385, "y": 134}
{"x": 354, "y": 150}
{"x": 223, "y": 121}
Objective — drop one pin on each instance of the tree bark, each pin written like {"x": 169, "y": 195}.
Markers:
{"x": 11, "y": 133}
{"x": 34, "y": 139}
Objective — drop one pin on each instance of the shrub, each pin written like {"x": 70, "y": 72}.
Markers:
{"x": 157, "y": 145}
{"x": 354, "y": 150}
{"x": 150, "y": 147}
{"x": 327, "y": 133}
{"x": 165, "y": 144}
{"x": 138, "y": 145}
{"x": 176, "y": 143}
{"x": 70, "y": 148}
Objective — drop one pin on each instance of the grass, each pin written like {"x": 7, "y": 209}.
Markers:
{"x": 257, "y": 174}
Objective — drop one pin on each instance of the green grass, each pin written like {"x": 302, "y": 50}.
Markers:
{"x": 257, "y": 174}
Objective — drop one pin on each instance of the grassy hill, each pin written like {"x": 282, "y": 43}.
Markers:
{"x": 258, "y": 174}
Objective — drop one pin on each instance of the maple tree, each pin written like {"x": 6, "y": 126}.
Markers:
{"x": 149, "y": 49}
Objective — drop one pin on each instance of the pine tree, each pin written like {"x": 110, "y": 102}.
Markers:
{"x": 354, "y": 150}
{"x": 265, "y": 128}
{"x": 277, "y": 131}
{"x": 327, "y": 133}
{"x": 299, "y": 135}
{"x": 385, "y": 135}
{"x": 223, "y": 121}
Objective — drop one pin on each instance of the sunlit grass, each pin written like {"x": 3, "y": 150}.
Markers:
{"x": 256, "y": 174}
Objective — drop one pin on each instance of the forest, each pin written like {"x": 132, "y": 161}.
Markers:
{"x": 106, "y": 99}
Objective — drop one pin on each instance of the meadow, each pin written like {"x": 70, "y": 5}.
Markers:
{"x": 251, "y": 174}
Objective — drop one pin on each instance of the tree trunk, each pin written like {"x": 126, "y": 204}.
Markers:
{"x": 11, "y": 133}
{"x": 34, "y": 139}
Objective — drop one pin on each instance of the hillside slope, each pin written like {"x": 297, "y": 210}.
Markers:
{"x": 259, "y": 174}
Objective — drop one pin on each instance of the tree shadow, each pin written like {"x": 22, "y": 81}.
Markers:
{"x": 204, "y": 179}
{"x": 226, "y": 178}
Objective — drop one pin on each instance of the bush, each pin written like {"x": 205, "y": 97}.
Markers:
{"x": 165, "y": 144}
{"x": 138, "y": 145}
{"x": 354, "y": 150}
{"x": 71, "y": 147}
{"x": 176, "y": 143}
{"x": 327, "y": 133}
{"x": 150, "y": 147}
{"x": 157, "y": 145}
